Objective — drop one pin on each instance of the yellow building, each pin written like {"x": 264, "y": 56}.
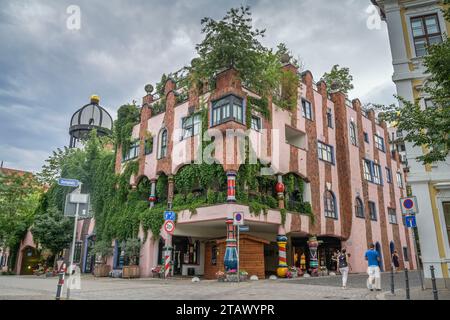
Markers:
{"x": 412, "y": 26}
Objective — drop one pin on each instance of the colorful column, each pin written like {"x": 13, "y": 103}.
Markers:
{"x": 282, "y": 260}
{"x": 279, "y": 189}
{"x": 313, "y": 244}
{"x": 152, "y": 197}
{"x": 230, "y": 258}
{"x": 170, "y": 191}
{"x": 231, "y": 191}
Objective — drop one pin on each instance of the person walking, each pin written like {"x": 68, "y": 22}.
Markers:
{"x": 343, "y": 266}
{"x": 373, "y": 270}
{"x": 395, "y": 262}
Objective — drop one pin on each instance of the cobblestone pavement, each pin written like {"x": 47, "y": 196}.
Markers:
{"x": 416, "y": 294}
{"x": 16, "y": 287}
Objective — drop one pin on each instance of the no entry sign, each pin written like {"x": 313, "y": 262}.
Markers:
{"x": 409, "y": 205}
{"x": 169, "y": 226}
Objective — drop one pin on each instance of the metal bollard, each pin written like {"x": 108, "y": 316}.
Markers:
{"x": 392, "y": 281}
{"x": 408, "y": 297}
{"x": 61, "y": 275}
{"x": 433, "y": 282}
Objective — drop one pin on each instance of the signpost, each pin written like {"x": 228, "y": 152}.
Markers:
{"x": 69, "y": 183}
{"x": 169, "y": 227}
{"x": 238, "y": 221}
{"x": 409, "y": 206}
{"x": 170, "y": 215}
{"x": 411, "y": 221}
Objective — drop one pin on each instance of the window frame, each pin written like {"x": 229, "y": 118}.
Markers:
{"x": 353, "y": 133}
{"x": 426, "y": 36}
{"x": 305, "y": 115}
{"x": 392, "y": 216}
{"x": 373, "y": 214}
{"x": 330, "y": 118}
{"x": 388, "y": 175}
{"x": 379, "y": 142}
{"x": 163, "y": 134}
{"x": 366, "y": 137}
{"x": 400, "y": 183}
{"x": 328, "y": 149}
{"x": 225, "y": 108}
{"x": 330, "y": 212}
{"x": 359, "y": 213}
{"x": 370, "y": 172}
{"x": 134, "y": 151}
{"x": 190, "y": 128}
{"x": 259, "y": 122}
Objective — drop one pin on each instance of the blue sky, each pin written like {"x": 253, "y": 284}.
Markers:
{"x": 48, "y": 71}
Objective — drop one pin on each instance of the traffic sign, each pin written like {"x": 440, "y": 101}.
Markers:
{"x": 70, "y": 208}
{"x": 170, "y": 215}
{"x": 238, "y": 218}
{"x": 68, "y": 182}
{"x": 409, "y": 205}
{"x": 244, "y": 228}
{"x": 169, "y": 227}
{"x": 410, "y": 221}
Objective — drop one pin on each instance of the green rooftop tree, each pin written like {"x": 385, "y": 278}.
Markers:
{"x": 339, "y": 79}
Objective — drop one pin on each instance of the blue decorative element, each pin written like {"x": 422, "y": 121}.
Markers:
{"x": 231, "y": 259}
{"x": 282, "y": 238}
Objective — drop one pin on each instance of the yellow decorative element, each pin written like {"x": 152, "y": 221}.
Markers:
{"x": 281, "y": 272}
{"x": 95, "y": 98}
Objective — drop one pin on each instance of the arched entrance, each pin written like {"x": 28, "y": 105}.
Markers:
{"x": 378, "y": 248}
{"x": 30, "y": 260}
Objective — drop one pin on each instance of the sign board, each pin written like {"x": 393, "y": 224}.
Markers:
{"x": 169, "y": 227}
{"x": 410, "y": 221}
{"x": 238, "y": 218}
{"x": 68, "y": 182}
{"x": 244, "y": 228}
{"x": 169, "y": 215}
{"x": 84, "y": 209}
{"x": 409, "y": 205}
{"x": 79, "y": 198}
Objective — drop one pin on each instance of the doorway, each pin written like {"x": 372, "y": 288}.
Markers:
{"x": 30, "y": 261}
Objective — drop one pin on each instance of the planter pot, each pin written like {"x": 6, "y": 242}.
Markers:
{"x": 129, "y": 272}
{"x": 221, "y": 279}
{"x": 101, "y": 270}
{"x": 232, "y": 278}
{"x": 243, "y": 278}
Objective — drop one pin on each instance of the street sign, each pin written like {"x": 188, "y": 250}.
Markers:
{"x": 409, "y": 205}
{"x": 169, "y": 227}
{"x": 410, "y": 221}
{"x": 244, "y": 228}
{"x": 238, "y": 218}
{"x": 79, "y": 198}
{"x": 68, "y": 182}
{"x": 170, "y": 215}
{"x": 70, "y": 208}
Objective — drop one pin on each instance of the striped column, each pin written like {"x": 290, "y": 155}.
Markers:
{"x": 282, "y": 259}
{"x": 152, "y": 197}
{"x": 231, "y": 191}
{"x": 230, "y": 257}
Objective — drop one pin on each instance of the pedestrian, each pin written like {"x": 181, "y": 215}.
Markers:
{"x": 343, "y": 266}
{"x": 373, "y": 270}
{"x": 395, "y": 262}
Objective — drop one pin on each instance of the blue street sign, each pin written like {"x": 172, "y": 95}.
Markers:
{"x": 244, "y": 228}
{"x": 169, "y": 215}
{"x": 410, "y": 221}
{"x": 68, "y": 182}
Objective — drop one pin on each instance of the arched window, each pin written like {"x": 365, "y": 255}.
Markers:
{"x": 359, "y": 208}
{"x": 353, "y": 136}
{"x": 330, "y": 205}
{"x": 162, "y": 144}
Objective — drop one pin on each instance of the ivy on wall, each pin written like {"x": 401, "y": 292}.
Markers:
{"x": 127, "y": 117}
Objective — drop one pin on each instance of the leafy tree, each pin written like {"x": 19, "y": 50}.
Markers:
{"x": 429, "y": 126}
{"x": 52, "y": 230}
{"x": 339, "y": 79}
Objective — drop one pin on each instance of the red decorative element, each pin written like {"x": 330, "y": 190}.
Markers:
{"x": 279, "y": 188}
{"x": 152, "y": 199}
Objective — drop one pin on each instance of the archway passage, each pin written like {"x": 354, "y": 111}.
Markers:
{"x": 30, "y": 261}
{"x": 378, "y": 248}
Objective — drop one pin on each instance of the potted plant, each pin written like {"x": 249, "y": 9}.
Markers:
{"x": 132, "y": 250}
{"x": 294, "y": 272}
{"x": 220, "y": 275}
{"x": 232, "y": 275}
{"x": 243, "y": 275}
{"x": 158, "y": 271}
{"x": 102, "y": 250}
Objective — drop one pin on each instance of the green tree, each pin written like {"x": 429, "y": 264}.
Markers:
{"x": 339, "y": 79}
{"x": 430, "y": 126}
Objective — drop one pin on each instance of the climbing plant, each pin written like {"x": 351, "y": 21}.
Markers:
{"x": 127, "y": 117}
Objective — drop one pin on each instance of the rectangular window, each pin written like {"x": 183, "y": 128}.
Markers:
{"x": 405, "y": 254}
{"x": 325, "y": 152}
{"x": 229, "y": 108}
{"x": 366, "y": 137}
{"x": 330, "y": 118}
{"x": 392, "y": 216}
{"x": 379, "y": 143}
{"x": 367, "y": 170}
{"x": 377, "y": 179}
{"x": 446, "y": 207}
{"x": 388, "y": 175}
{"x": 256, "y": 123}
{"x": 307, "y": 109}
{"x": 399, "y": 180}
{"x": 372, "y": 211}
{"x": 191, "y": 126}
{"x": 426, "y": 32}
{"x": 372, "y": 172}
{"x": 149, "y": 145}
{"x": 133, "y": 153}
{"x": 353, "y": 136}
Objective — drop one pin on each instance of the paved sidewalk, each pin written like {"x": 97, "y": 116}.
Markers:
{"x": 415, "y": 294}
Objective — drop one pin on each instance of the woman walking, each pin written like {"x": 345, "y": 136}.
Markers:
{"x": 343, "y": 266}
{"x": 395, "y": 263}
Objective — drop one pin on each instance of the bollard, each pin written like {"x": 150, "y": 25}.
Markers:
{"x": 61, "y": 274}
{"x": 408, "y": 297}
{"x": 433, "y": 282}
{"x": 392, "y": 281}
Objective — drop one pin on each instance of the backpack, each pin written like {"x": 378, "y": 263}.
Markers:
{"x": 343, "y": 261}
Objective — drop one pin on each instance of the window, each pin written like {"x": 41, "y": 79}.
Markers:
{"x": 229, "y": 108}
{"x": 366, "y": 137}
{"x": 163, "y": 144}
{"x": 359, "y": 208}
{"x": 256, "y": 123}
{"x": 379, "y": 142}
{"x": 133, "y": 153}
{"x": 399, "y": 180}
{"x": 326, "y": 152}
{"x": 446, "y": 207}
{"x": 372, "y": 172}
{"x": 405, "y": 254}
{"x": 388, "y": 175}
{"x": 330, "y": 118}
{"x": 426, "y": 32}
{"x": 148, "y": 146}
{"x": 372, "y": 211}
{"x": 392, "y": 216}
{"x": 330, "y": 205}
{"x": 191, "y": 126}
{"x": 307, "y": 109}
{"x": 353, "y": 137}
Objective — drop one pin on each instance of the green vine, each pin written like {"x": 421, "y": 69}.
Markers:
{"x": 127, "y": 117}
